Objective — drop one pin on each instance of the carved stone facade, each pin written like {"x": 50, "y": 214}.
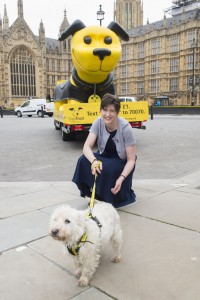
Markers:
{"x": 30, "y": 65}
{"x": 161, "y": 58}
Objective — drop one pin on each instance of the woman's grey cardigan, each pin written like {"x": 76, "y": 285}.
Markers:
{"x": 124, "y": 136}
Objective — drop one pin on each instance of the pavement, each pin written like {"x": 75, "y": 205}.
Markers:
{"x": 161, "y": 244}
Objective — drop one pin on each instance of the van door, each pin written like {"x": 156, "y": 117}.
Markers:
{"x": 26, "y": 108}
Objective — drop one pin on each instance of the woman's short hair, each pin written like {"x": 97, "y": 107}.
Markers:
{"x": 109, "y": 99}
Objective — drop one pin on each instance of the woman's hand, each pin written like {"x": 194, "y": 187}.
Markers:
{"x": 118, "y": 185}
{"x": 96, "y": 167}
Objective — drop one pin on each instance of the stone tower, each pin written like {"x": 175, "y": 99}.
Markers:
{"x": 129, "y": 13}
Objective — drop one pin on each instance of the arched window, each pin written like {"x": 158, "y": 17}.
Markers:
{"x": 22, "y": 70}
{"x": 64, "y": 46}
{"x": 53, "y": 65}
{"x": 47, "y": 64}
{"x": 69, "y": 45}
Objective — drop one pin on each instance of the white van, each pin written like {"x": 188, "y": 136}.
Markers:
{"x": 35, "y": 107}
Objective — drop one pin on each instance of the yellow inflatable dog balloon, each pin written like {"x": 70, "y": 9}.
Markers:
{"x": 95, "y": 53}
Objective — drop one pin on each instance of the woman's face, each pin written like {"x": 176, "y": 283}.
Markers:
{"x": 109, "y": 114}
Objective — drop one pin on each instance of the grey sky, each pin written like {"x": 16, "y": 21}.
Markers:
{"x": 52, "y": 12}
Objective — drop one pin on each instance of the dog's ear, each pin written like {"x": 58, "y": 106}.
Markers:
{"x": 120, "y": 32}
{"x": 73, "y": 28}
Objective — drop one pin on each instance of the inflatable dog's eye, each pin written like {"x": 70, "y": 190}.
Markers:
{"x": 87, "y": 40}
{"x": 108, "y": 40}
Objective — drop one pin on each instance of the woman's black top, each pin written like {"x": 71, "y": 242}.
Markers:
{"x": 110, "y": 148}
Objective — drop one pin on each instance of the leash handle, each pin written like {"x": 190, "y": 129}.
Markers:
{"x": 94, "y": 187}
{"x": 93, "y": 193}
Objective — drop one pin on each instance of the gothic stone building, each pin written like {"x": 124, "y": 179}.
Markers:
{"x": 30, "y": 65}
{"x": 161, "y": 58}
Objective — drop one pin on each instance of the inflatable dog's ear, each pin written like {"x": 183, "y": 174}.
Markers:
{"x": 73, "y": 28}
{"x": 120, "y": 32}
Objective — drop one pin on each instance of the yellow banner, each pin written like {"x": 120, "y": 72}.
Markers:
{"x": 86, "y": 113}
{"x": 134, "y": 111}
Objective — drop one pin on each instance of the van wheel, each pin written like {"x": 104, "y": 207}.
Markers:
{"x": 19, "y": 114}
{"x": 56, "y": 126}
{"x": 50, "y": 115}
{"x": 29, "y": 116}
{"x": 39, "y": 113}
{"x": 68, "y": 136}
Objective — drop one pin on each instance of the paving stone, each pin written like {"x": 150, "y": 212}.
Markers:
{"x": 21, "y": 229}
{"x": 174, "y": 207}
{"x": 31, "y": 201}
{"x": 25, "y": 274}
{"x": 93, "y": 294}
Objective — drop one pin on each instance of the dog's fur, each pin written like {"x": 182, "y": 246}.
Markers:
{"x": 68, "y": 225}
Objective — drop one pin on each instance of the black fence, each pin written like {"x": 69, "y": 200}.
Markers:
{"x": 6, "y": 112}
{"x": 174, "y": 110}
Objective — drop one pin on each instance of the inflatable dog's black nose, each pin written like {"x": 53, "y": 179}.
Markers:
{"x": 54, "y": 232}
{"x": 101, "y": 53}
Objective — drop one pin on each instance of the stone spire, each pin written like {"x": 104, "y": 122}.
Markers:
{"x": 20, "y": 9}
{"x": 41, "y": 33}
{"x": 65, "y": 22}
{"x": 5, "y": 21}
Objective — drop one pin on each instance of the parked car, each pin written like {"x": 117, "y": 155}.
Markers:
{"x": 35, "y": 107}
{"x": 128, "y": 99}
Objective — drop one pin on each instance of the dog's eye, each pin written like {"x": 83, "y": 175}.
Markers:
{"x": 108, "y": 40}
{"x": 67, "y": 221}
{"x": 87, "y": 40}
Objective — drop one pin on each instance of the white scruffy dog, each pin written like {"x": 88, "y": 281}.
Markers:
{"x": 84, "y": 237}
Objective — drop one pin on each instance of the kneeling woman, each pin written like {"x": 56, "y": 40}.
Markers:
{"x": 116, "y": 153}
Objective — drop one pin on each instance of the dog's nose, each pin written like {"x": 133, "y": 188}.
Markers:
{"x": 54, "y": 232}
{"x": 101, "y": 52}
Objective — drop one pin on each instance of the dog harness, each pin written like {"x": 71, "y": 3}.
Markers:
{"x": 75, "y": 250}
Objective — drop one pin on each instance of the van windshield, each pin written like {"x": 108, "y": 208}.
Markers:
{"x": 127, "y": 99}
{"x": 25, "y": 104}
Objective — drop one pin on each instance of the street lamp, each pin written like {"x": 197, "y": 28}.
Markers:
{"x": 100, "y": 15}
{"x": 193, "y": 45}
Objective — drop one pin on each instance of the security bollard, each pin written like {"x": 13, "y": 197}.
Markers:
{"x": 151, "y": 111}
{"x": 1, "y": 111}
{"x": 42, "y": 111}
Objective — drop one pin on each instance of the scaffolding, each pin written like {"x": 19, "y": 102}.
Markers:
{"x": 180, "y": 3}
{"x": 181, "y": 6}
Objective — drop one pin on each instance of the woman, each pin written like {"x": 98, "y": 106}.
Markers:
{"x": 115, "y": 160}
